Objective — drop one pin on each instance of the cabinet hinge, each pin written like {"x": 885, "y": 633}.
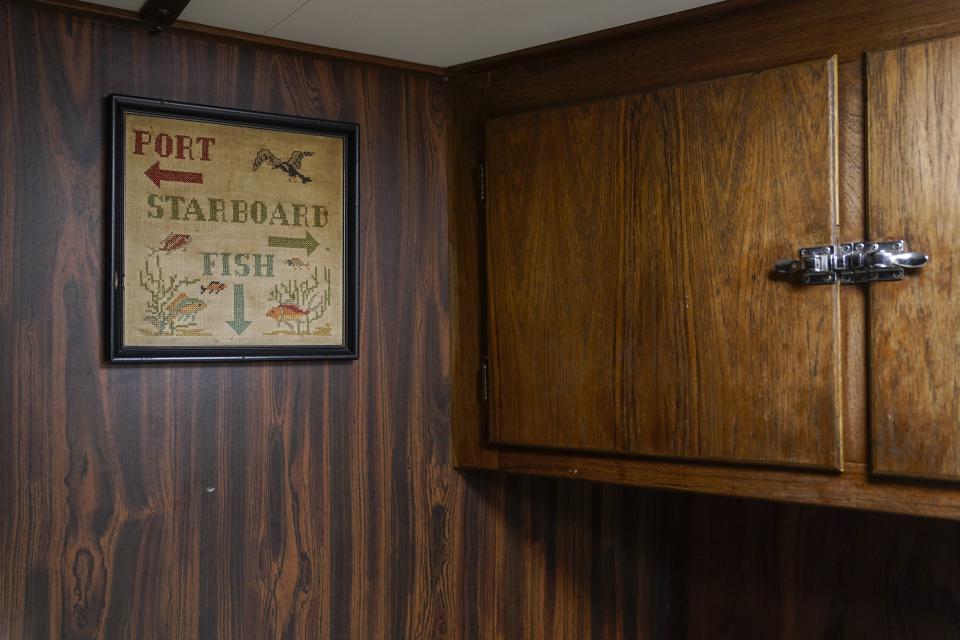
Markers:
{"x": 484, "y": 381}
{"x": 482, "y": 182}
{"x": 851, "y": 263}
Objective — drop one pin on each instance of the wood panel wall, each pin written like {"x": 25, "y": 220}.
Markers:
{"x": 311, "y": 501}
{"x": 257, "y": 501}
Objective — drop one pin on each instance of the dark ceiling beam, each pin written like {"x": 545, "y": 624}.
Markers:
{"x": 160, "y": 14}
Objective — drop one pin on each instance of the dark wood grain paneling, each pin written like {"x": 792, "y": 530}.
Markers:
{"x": 759, "y": 570}
{"x": 211, "y": 501}
{"x": 913, "y": 97}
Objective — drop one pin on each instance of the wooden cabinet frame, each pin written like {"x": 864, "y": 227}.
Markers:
{"x": 734, "y": 37}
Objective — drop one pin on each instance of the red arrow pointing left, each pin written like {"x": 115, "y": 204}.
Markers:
{"x": 156, "y": 174}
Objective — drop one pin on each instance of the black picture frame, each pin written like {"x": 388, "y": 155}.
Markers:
{"x": 118, "y": 352}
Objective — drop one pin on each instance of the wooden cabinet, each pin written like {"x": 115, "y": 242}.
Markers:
{"x": 632, "y": 327}
{"x": 631, "y": 307}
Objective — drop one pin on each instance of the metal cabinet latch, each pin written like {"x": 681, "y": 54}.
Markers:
{"x": 851, "y": 263}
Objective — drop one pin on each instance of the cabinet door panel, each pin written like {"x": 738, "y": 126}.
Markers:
{"x": 756, "y": 169}
{"x": 913, "y": 134}
{"x": 554, "y": 232}
{"x": 677, "y": 342}
{"x": 658, "y": 356}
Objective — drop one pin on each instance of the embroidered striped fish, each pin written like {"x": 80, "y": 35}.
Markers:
{"x": 185, "y": 306}
{"x": 175, "y": 241}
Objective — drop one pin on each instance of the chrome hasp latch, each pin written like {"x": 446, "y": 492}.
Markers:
{"x": 852, "y": 263}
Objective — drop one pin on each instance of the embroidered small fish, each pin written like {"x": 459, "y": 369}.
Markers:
{"x": 213, "y": 287}
{"x": 287, "y": 313}
{"x": 175, "y": 241}
{"x": 297, "y": 263}
{"x": 185, "y": 306}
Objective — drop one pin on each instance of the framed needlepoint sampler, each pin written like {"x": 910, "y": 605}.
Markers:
{"x": 234, "y": 234}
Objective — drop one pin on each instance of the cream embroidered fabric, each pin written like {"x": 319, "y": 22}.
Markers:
{"x": 233, "y": 235}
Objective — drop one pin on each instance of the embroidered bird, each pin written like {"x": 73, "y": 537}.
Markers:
{"x": 291, "y": 167}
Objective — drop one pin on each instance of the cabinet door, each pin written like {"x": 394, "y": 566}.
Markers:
{"x": 555, "y": 238}
{"x": 629, "y": 245}
{"x": 913, "y": 182}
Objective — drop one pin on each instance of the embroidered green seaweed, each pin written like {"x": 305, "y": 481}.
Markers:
{"x": 301, "y": 303}
{"x": 163, "y": 314}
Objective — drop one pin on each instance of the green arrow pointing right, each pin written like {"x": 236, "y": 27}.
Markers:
{"x": 307, "y": 242}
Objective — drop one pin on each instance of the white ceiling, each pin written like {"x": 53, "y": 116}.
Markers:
{"x": 434, "y": 32}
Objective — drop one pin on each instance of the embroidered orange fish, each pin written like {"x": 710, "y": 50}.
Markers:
{"x": 213, "y": 287}
{"x": 287, "y": 313}
{"x": 175, "y": 241}
{"x": 297, "y": 263}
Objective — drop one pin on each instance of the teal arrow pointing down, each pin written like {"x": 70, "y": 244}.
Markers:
{"x": 238, "y": 323}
